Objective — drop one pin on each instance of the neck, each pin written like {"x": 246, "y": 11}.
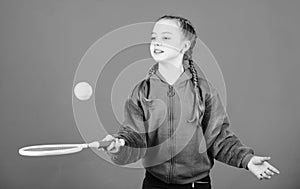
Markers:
{"x": 171, "y": 71}
{"x": 171, "y": 67}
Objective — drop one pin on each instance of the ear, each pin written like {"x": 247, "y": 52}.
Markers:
{"x": 187, "y": 45}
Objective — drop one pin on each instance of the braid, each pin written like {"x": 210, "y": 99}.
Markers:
{"x": 144, "y": 88}
{"x": 151, "y": 71}
{"x": 199, "y": 107}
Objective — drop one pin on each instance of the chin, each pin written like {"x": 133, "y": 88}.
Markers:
{"x": 160, "y": 58}
{"x": 157, "y": 58}
{"x": 162, "y": 61}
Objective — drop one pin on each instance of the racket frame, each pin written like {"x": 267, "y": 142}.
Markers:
{"x": 76, "y": 148}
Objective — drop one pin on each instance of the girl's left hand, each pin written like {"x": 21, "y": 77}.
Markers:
{"x": 261, "y": 168}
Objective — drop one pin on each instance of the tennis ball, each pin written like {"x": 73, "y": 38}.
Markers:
{"x": 83, "y": 91}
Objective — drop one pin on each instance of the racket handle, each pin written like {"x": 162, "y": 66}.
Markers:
{"x": 103, "y": 144}
{"x": 97, "y": 144}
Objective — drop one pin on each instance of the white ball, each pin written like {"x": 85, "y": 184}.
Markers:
{"x": 83, "y": 91}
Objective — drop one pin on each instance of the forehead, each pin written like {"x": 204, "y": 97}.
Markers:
{"x": 166, "y": 25}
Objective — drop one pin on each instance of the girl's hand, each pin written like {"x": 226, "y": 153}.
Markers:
{"x": 261, "y": 168}
{"x": 115, "y": 144}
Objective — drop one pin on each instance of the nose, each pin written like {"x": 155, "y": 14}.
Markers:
{"x": 156, "y": 43}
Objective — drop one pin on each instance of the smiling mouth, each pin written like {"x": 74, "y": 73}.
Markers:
{"x": 157, "y": 51}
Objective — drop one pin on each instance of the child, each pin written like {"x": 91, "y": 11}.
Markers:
{"x": 175, "y": 121}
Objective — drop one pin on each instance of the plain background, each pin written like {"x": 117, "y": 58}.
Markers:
{"x": 255, "y": 42}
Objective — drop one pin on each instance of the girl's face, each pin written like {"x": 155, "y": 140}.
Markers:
{"x": 167, "y": 41}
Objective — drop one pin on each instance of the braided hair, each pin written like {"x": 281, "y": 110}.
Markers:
{"x": 189, "y": 33}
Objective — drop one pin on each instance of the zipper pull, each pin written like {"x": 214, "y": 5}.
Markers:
{"x": 171, "y": 91}
{"x": 193, "y": 185}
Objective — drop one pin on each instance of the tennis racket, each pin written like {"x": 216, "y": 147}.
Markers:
{"x": 61, "y": 149}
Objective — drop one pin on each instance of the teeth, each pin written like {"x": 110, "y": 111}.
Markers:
{"x": 158, "y": 51}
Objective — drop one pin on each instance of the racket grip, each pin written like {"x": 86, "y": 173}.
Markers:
{"x": 99, "y": 144}
{"x": 104, "y": 144}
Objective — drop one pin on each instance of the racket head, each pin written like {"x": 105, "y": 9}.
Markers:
{"x": 51, "y": 149}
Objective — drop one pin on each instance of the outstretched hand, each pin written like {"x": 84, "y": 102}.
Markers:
{"x": 261, "y": 168}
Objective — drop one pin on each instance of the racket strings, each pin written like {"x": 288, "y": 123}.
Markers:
{"x": 59, "y": 149}
{"x": 37, "y": 149}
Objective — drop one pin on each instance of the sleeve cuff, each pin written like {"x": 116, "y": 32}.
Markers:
{"x": 246, "y": 160}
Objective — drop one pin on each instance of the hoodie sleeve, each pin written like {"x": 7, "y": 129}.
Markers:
{"x": 223, "y": 144}
{"x": 132, "y": 131}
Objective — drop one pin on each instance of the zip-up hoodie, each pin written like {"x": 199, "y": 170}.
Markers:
{"x": 172, "y": 149}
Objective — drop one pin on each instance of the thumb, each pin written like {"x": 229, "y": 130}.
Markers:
{"x": 108, "y": 138}
{"x": 262, "y": 159}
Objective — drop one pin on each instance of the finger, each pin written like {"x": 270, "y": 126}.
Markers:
{"x": 118, "y": 144}
{"x": 122, "y": 142}
{"x": 273, "y": 169}
{"x": 269, "y": 173}
{"x": 265, "y": 176}
{"x": 108, "y": 138}
{"x": 262, "y": 159}
{"x": 260, "y": 177}
{"x": 111, "y": 146}
{"x": 115, "y": 150}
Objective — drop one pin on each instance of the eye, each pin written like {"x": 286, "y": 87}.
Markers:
{"x": 152, "y": 38}
{"x": 166, "y": 37}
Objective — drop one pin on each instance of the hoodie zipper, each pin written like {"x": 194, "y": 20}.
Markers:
{"x": 170, "y": 94}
